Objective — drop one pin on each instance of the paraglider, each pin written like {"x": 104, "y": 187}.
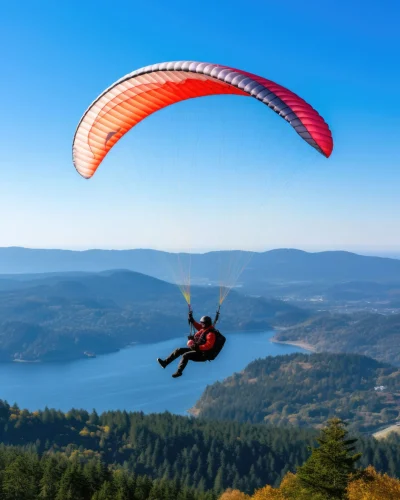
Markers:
{"x": 141, "y": 93}
{"x": 205, "y": 345}
{"x": 144, "y": 91}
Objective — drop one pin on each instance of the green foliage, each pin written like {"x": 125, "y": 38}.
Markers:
{"x": 330, "y": 466}
{"x": 200, "y": 454}
{"x": 207, "y": 456}
{"x": 19, "y": 478}
{"x": 26, "y": 476}
{"x": 304, "y": 390}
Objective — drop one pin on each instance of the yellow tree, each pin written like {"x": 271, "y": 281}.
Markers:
{"x": 374, "y": 486}
{"x": 268, "y": 493}
{"x": 230, "y": 494}
{"x": 291, "y": 489}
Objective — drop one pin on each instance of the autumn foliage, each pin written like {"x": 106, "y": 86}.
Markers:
{"x": 230, "y": 494}
{"x": 328, "y": 474}
{"x": 374, "y": 486}
{"x": 370, "y": 486}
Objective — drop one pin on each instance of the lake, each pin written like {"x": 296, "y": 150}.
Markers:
{"x": 130, "y": 379}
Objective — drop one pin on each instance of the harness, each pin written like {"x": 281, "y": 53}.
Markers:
{"x": 218, "y": 344}
{"x": 219, "y": 338}
{"x": 202, "y": 337}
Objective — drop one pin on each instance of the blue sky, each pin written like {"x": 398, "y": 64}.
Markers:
{"x": 211, "y": 173}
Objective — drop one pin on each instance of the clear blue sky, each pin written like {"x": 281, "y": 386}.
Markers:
{"x": 218, "y": 172}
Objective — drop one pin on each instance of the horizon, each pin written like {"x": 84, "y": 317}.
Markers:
{"x": 383, "y": 253}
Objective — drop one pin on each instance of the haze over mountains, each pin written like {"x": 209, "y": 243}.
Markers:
{"x": 282, "y": 265}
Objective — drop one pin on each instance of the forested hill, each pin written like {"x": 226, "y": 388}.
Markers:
{"x": 371, "y": 334}
{"x": 195, "y": 453}
{"x": 281, "y": 265}
{"x": 27, "y": 475}
{"x": 60, "y": 317}
{"x": 304, "y": 390}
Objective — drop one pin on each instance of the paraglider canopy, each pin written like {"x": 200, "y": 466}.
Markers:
{"x": 147, "y": 90}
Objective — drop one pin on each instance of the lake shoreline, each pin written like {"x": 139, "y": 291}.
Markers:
{"x": 295, "y": 343}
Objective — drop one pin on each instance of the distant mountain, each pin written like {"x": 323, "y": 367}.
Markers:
{"x": 305, "y": 390}
{"x": 343, "y": 297}
{"x": 59, "y": 317}
{"x": 275, "y": 266}
{"x": 371, "y": 334}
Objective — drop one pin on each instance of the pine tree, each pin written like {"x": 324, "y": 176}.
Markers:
{"x": 106, "y": 492}
{"x": 72, "y": 484}
{"x": 123, "y": 485}
{"x": 143, "y": 487}
{"x": 329, "y": 467}
{"x": 50, "y": 479}
{"x": 19, "y": 479}
{"x": 219, "y": 481}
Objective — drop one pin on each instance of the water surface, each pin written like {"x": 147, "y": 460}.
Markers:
{"x": 130, "y": 379}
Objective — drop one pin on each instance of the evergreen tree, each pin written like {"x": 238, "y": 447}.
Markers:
{"x": 19, "y": 481}
{"x": 219, "y": 481}
{"x": 72, "y": 484}
{"x": 50, "y": 479}
{"x": 124, "y": 486}
{"x": 106, "y": 492}
{"x": 143, "y": 487}
{"x": 329, "y": 467}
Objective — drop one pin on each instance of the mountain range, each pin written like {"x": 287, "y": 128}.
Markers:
{"x": 274, "y": 266}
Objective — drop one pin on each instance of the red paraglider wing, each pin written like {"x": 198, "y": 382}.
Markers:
{"x": 141, "y": 93}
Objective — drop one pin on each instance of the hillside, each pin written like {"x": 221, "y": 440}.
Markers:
{"x": 374, "y": 335}
{"x": 272, "y": 268}
{"x": 304, "y": 390}
{"x": 26, "y": 474}
{"x": 197, "y": 453}
{"x": 60, "y": 317}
